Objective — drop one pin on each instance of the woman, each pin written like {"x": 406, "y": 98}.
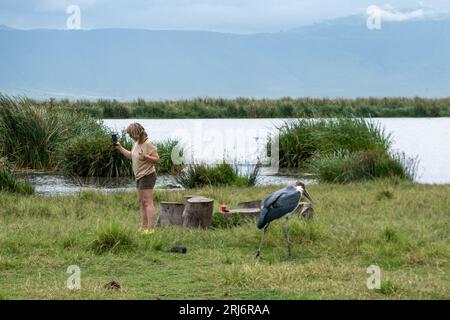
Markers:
{"x": 143, "y": 156}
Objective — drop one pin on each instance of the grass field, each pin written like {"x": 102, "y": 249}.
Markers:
{"x": 401, "y": 227}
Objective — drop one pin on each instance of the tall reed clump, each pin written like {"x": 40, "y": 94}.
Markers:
{"x": 344, "y": 167}
{"x": 91, "y": 154}
{"x": 30, "y": 134}
{"x": 342, "y": 150}
{"x": 199, "y": 174}
{"x": 40, "y": 136}
{"x": 9, "y": 182}
{"x": 301, "y": 139}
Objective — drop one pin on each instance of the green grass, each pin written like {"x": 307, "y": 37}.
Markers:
{"x": 259, "y": 108}
{"x": 356, "y": 225}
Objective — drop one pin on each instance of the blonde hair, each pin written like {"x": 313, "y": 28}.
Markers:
{"x": 137, "y": 132}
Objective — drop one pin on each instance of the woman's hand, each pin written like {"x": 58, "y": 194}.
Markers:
{"x": 122, "y": 150}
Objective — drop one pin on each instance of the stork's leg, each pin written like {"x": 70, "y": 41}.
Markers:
{"x": 262, "y": 240}
{"x": 287, "y": 236}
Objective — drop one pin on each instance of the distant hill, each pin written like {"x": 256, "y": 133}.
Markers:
{"x": 339, "y": 58}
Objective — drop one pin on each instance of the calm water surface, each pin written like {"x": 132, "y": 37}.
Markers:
{"x": 428, "y": 139}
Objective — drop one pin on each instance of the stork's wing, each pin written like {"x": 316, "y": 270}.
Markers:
{"x": 270, "y": 199}
{"x": 278, "y": 204}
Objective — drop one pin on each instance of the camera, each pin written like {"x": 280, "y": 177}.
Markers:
{"x": 114, "y": 139}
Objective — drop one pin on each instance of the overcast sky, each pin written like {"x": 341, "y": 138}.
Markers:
{"x": 237, "y": 16}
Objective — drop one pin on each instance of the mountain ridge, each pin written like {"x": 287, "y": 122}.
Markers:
{"x": 337, "y": 59}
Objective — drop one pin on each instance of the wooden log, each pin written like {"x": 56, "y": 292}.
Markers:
{"x": 198, "y": 212}
{"x": 242, "y": 213}
{"x": 171, "y": 213}
{"x": 250, "y": 204}
{"x": 248, "y": 213}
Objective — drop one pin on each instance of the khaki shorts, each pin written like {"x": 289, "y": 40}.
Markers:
{"x": 146, "y": 182}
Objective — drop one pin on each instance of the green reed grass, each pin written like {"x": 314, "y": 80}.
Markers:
{"x": 344, "y": 166}
{"x": 261, "y": 108}
{"x": 200, "y": 174}
{"x": 301, "y": 139}
{"x": 10, "y": 183}
{"x": 39, "y": 136}
{"x": 30, "y": 134}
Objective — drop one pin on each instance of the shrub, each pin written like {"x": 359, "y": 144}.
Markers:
{"x": 92, "y": 154}
{"x": 343, "y": 166}
{"x": 199, "y": 175}
{"x": 42, "y": 136}
{"x": 30, "y": 134}
{"x": 303, "y": 138}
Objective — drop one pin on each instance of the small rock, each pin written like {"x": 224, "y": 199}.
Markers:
{"x": 178, "y": 249}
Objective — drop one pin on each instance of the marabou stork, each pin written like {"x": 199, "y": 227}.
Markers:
{"x": 281, "y": 203}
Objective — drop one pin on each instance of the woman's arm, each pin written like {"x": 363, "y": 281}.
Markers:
{"x": 124, "y": 151}
{"x": 152, "y": 158}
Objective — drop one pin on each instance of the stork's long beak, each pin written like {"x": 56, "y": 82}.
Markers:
{"x": 306, "y": 193}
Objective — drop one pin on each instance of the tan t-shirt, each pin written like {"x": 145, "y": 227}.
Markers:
{"x": 141, "y": 167}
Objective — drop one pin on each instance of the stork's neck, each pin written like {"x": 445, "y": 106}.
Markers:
{"x": 299, "y": 188}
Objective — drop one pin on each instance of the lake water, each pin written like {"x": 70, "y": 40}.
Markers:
{"x": 244, "y": 141}
{"x": 428, "y": 139}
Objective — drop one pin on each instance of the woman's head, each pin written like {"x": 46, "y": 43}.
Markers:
{"x": 137, "y": 132}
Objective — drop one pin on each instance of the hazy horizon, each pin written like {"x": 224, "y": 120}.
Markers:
{"x": 232, "y": 16}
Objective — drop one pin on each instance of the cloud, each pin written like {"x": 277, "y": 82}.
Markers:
{"x": 238, "y": 16}
{"x": 389, "y": 13}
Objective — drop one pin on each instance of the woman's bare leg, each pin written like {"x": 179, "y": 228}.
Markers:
{"x": 144, "y": 220}
{"x": 146, "y": 200}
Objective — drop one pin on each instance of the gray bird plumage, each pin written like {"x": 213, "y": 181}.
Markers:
{"x": 278, "y": 204}
{"x": 281, "y": 203}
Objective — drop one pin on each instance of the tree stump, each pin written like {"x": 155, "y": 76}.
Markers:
{"x": 171, "y": 213}
{"x": 198, "y": 212}
{"x": 186, "y": 198}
